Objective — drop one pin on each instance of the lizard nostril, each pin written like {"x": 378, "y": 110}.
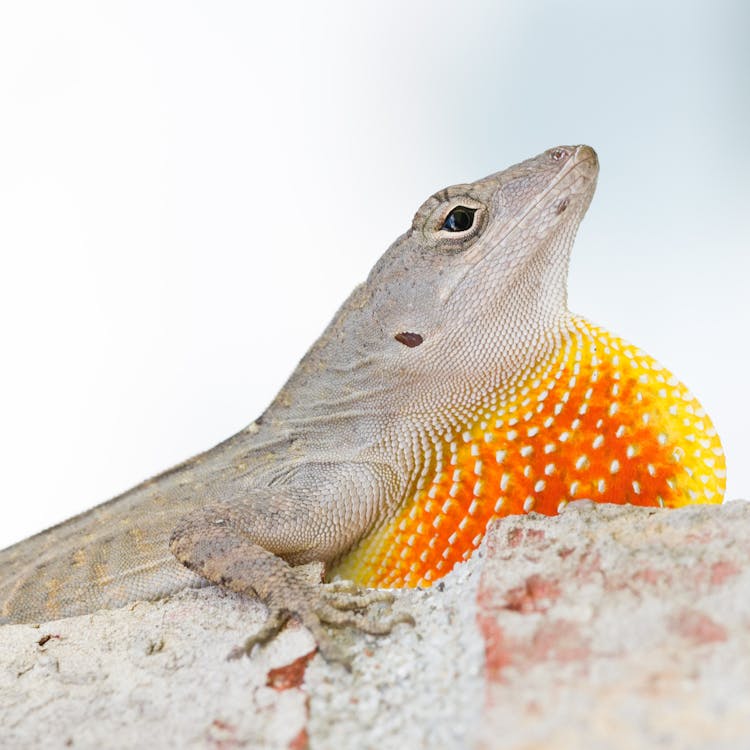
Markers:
{"x": 562, "y": 205}
{"x": 558, "y": 154}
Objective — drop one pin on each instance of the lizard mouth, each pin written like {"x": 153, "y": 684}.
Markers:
{"x": 576, "y": 177}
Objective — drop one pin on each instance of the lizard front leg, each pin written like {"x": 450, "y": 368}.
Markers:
{"x": 253, "y": 544}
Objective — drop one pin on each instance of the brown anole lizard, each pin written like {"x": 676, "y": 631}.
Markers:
{"x": 452, "y": 387}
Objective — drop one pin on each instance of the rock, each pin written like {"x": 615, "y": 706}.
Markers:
{"x": 604, "y": 627}
{"x": 617, "y": 627}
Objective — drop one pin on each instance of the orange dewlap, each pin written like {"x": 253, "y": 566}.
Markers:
{"x": 599, "y": 420}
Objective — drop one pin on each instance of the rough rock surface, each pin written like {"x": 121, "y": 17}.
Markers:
{"x": 619, "y": 628}
{"x": 605, "y": 627}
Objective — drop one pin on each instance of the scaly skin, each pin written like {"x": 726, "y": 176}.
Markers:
{"x": 598, "y": 419}
{"x": 452, "y": 387}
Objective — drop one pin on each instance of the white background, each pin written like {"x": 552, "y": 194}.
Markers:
{"x": 189, "y": 190}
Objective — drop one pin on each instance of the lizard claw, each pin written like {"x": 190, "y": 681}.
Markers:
{"x": 343, "y": 604}
{"x": 270, "y": 629}
{"x": 273, "y": 625}
{"x": 351, "y": 596}
{"x": 339, "y": 604}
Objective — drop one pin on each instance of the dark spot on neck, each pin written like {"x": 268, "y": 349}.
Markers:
{"x": 562, "y": 205}
{"x": 409, "y": 339}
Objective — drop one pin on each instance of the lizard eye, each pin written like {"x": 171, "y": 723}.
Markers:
{"x": 459, "y": 219}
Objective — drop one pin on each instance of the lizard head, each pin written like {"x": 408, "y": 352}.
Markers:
{"x": 481, "y": 276}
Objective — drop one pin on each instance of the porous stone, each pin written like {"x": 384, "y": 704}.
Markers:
{"x": 605, "y": 627}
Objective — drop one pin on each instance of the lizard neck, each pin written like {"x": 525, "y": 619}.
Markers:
{"x": 596, "y": 418}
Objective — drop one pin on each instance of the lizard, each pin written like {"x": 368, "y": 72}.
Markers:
{"x": 452, "y": 387}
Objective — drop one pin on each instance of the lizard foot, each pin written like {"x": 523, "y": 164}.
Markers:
{"x": 215, "y": 543}
{"x": 338, "y": 604}
{"x": 349, "y": 604}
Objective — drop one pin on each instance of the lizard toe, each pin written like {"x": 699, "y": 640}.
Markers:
{"x": 381, "y": 625}
{"x": 268, "y": 631}
{"x": 361, "y": 599}
{"x": 373, "y": 623}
